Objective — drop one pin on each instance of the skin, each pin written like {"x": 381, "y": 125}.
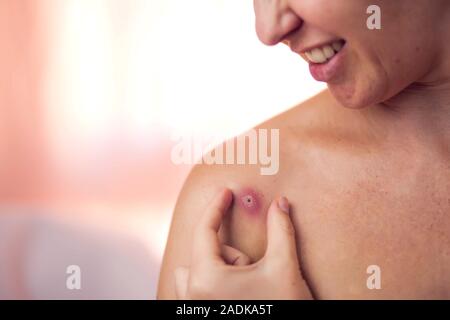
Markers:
{"x": 222, "y": 272}
{"x": 365, "y": 164}
{"x": 249, "y": 200}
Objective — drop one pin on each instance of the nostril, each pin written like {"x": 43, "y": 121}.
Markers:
{"x": 287, "y": 39}
{"x": 290, "y": 24}
{"x": 277, "y": 28}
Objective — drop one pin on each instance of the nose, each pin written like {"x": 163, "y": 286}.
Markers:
{"x": 274, "y": 20}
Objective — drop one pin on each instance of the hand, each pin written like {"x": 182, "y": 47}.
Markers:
{"x": 221, "y": 272}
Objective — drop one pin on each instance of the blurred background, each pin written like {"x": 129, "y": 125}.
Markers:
{"x": 91, "y": 92}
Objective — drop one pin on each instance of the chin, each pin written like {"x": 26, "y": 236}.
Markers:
{"x": 346, "y": 96}
{"x": 355, "y": 95}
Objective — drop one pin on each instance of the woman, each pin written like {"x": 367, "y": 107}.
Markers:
{"x": 365, "y": 164}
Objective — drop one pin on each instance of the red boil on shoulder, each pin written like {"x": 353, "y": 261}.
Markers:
{"x": 249, "y": 200}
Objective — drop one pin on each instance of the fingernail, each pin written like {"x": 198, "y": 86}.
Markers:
{"x": 283, "y": 204}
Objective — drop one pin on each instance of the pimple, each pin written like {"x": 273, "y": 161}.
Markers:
{"x": 249, "y": 200}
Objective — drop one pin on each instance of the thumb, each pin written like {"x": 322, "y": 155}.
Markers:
{"x": 281, "y": 244}
{"x": 181, "y": 282}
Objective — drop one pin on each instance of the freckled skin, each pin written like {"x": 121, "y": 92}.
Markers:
{"x": 349, "y": 209}
{"x": 358, "y": 197}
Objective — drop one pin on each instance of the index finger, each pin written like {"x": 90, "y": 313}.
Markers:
{"x": 206, "y": 240}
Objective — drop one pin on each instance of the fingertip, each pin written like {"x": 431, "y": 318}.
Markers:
{"x": 209, "y": 224}
{"x": 221, "y": 201}
{"x": 227, "y": 195}
{"x": 243, "y": 260}
{"x": 233, "y": 256}
{"x": 280, "y": 204}
{"x": 281, "y": 233}
{"x": 283, "y": 204}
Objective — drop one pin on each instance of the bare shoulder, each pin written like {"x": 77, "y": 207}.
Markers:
{"x": 341, "y": 186}
{"x": 254, "y": 177}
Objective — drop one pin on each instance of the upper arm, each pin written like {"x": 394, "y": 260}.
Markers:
{"x": 192, "y": 199}
{"x": 242, "y": 229}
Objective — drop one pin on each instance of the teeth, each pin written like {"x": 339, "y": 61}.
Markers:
{"x": 318, "y": 55}
{"x": 337, "y": 46}
{"x": 309, "y": 56}
{"x": 325, "y": 53}
{"x": 328, "y": 51}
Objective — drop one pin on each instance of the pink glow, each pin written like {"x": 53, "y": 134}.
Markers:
{"x": 249, "y": 200}
{"x": 91, "y": 93}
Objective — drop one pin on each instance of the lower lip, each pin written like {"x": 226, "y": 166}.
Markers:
{"x": 325, "y": 72}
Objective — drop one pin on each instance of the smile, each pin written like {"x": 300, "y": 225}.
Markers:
{"x": 326, "y": 61}
{"x": 324, "y": 53}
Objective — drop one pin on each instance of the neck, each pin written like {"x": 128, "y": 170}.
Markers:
{"x": 421, "y": 107}
{"x": 424, "y": 107}
{"x": 420, "y": 112}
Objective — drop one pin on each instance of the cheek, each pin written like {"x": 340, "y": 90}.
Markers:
{"x": 336, "y": 17}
